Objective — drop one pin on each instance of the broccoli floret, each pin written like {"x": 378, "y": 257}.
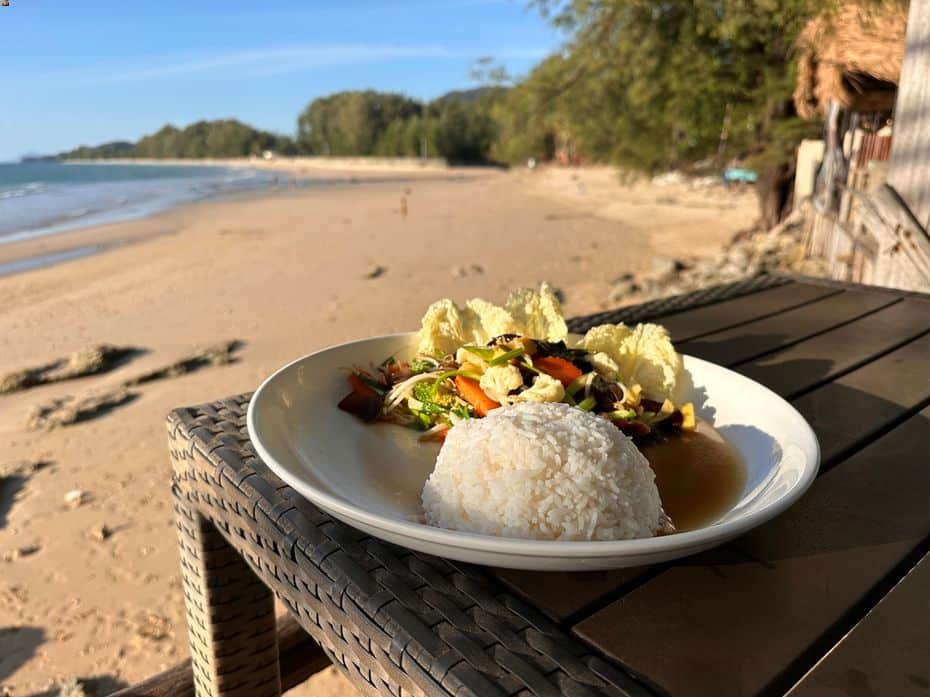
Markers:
{"x": 419, "y": 366}
{"x": 423, "y": 391}
{"x": 428, "y": 392}
{"x": 463, "y": 411}
{"x": 424, "y": 421}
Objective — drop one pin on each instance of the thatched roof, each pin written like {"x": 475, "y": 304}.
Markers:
{"x": 851, "y": 54}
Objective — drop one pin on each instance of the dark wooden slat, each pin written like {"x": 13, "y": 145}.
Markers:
{"x": 853, "y": 408}
{"x": 299, "y": 655}
{"x": 756, "y": 338}
{"x": 562, "y": 594}
{"x": 842, "y": 414}
{"x": 704, "y": 320}
{"x": 734, "y": 621}
{"x": 888, "y": 652}
{"x": 811, "y": 362}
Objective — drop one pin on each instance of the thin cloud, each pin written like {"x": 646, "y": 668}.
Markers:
{"x": 254, "y": 62}
{"x": 264, "y": 62}
{"x": 355, "y": 54}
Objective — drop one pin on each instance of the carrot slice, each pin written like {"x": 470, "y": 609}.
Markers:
{"x": 562, "y": 370}
{"x": 358, "y": 385}
{"x": 362, "y": 401}
{"x": 473, "y": 394}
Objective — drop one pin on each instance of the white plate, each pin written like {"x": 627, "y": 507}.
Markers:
{"x": 369, "y": 476}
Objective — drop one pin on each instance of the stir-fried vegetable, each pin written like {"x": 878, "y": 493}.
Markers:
{"x": 434, "y": 393}
{"x": 561, "y": 369}
{"x": 472, "y": 393}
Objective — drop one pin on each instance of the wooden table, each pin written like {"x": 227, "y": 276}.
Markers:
{"x": 830, "y": 598}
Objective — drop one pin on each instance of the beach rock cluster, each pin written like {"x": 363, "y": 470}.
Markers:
{"x": 89, "y": 361}
{"x": 781, "y": 249}
{"x": 69, "y": 409}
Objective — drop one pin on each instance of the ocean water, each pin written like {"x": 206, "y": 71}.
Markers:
{"x": 43, "y": 198}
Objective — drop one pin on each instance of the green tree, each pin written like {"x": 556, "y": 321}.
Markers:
{"x": 464, "y": 132}
{"x": 116, "y": 148}
{"x": 220, "y": 138}
{"x": 652, "y": 86}
{"x": 459, "y": 126}
{"x": 351, "y": 123}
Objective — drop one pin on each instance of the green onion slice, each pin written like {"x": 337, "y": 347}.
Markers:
{"x": 453, "y": 373}
{"x": 578, "y": 384}
{"x": 588, "y": 403}
{"x": 484, "y": 353}
{"x": 506, "y": 357}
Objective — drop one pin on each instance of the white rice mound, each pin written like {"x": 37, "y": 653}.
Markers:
{"x": 544, "y": 471}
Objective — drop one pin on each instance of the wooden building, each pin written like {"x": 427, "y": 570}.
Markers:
{"x": 869, "y": 78}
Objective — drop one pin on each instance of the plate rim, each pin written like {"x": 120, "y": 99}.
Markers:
{"x": 476, "y": 542}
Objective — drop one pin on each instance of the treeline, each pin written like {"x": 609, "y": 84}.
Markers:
{"x": 116, "y": 148}
{"x": 221, "y": 138}
{"x": 459, "y": 127}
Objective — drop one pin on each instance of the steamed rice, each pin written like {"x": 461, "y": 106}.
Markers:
{"x": 543, "y": 471}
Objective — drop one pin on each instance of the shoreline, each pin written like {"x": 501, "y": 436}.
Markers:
{"x": 291, "y": 163}
{"x": 23, "y": 251}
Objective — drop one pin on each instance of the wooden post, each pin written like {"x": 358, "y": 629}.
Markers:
{"x": 910, "y": 155}
{"x": 830, "y": 155}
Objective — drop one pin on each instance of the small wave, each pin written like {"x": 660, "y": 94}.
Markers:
{"x": 240, "y": 175}
{"x": 23, "y": 190}
{"x": 81, "y": 203}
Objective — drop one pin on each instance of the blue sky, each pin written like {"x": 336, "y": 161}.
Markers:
{"x": 83, "y": 71}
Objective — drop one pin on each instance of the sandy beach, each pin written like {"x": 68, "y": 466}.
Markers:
{"x": 285, "y": 272}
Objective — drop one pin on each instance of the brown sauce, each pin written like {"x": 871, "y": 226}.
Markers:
{"x": 699, "y": 476}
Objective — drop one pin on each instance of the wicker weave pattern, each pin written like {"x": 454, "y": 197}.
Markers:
{"x": 230, "y": 614}
{"x": 395, "y": 621}
{"x": 391, "y": 618}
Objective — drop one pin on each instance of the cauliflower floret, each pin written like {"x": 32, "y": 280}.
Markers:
{"x": 533, "y": 314}
{"x": 537, "y": 315}
{"x": 441, "y": 329}
{"x": 468, "y": 360}
{"x": 484, "y": 321}
{"x": 647, "y": 357}
{"x": 499, "y": 380}
{"x": 607, "y": 339}
{"x": 543, "y": 389}
{"x": 643, "y": 354}
{"x": 605, "y": 366}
